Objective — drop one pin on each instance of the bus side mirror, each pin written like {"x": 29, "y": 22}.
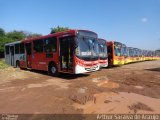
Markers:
{"x": 76, "y": 43}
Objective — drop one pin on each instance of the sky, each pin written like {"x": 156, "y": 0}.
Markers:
{"x": 135, "y": 23}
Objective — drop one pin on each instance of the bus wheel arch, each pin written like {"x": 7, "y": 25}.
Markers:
{"x": 53, "y": 69}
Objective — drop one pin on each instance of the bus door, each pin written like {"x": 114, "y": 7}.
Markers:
{"x": 66, "y": 54}
{"x": 12, "y": 55}
{"x": 110, "y": 55}
{"x": 28, "y": 47}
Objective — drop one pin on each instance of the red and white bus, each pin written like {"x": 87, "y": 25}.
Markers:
{"x": 72, "y": 51}
{"x": 103, "y": 56}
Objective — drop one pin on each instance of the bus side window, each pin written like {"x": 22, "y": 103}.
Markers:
{"x": 38, "y": 46}
{"x": 7, "y": 50}
{"x": 17, "y": 50}
{"x": 22, "y": 48}
{"x": 50, "y": 45}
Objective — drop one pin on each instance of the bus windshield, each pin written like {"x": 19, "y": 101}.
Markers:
{"x": 124, "y": 50}
{"x": 102, "y": 47}
{"x": 87, "y": 47}
{"x": 118, "y": 50}
{"x": 136, "y": 52}
{"x": 131, "y": 52}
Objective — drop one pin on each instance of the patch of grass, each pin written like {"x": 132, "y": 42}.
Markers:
{"x": 3, "y": 65}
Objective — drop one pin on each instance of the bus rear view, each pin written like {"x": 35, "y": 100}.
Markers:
{"x": 13, "y": 53}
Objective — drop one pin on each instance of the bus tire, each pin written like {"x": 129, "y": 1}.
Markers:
{"x": 17, "y": 64}
{"x": 22, "y": 68}
{"x": 53, "y": 70}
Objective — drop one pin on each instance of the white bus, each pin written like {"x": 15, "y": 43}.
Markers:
{"x": 13, "y": 52}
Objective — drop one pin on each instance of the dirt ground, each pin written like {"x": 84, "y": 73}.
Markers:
{"x": 132, "y": 88}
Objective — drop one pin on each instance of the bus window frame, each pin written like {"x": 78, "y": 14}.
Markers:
{"x": 7, "y": 51}
{"x": 16, "y": 49}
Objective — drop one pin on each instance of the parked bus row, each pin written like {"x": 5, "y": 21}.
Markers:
{"x": 72, "y": 51}
{"x": 120, "y": 54}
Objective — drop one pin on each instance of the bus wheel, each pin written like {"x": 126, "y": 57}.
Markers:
{"x": 17, "y": 64}
{"x": 53, "y": 70}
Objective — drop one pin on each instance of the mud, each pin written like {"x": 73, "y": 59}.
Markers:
{"x": 132, "y": 88}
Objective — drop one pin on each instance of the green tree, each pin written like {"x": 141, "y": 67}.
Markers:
{"x": 2, "y": 32}
{"x": 33, "y": 35}
{"x": 3, "y": 41}
{"x": 58, "y": 29}
{"x": 16, "y": 35}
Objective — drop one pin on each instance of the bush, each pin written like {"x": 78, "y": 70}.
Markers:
{"x": 3, "y": 65}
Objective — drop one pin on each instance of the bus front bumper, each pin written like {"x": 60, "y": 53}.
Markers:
{"x": 80, "y": 69}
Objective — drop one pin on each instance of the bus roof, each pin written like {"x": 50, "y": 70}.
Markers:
{"x": 114, "y": 42}
{"x": 12, "y": 43}
{"x": 102, "y": 39}
{"x": 65, "y": 33}
{"x": 130, "y": 47}
{"x": 86, "y": 31}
